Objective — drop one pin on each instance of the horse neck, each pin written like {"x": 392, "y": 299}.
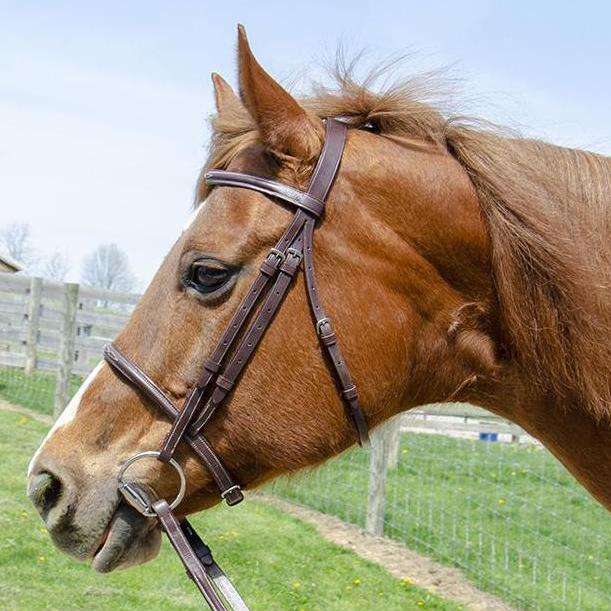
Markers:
{"x": 571, "y": 433}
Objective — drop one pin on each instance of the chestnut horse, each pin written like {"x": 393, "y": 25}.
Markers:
{"x": 458, "y": 264}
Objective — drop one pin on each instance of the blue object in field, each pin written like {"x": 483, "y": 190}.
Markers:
{"x": 488, "y": 436}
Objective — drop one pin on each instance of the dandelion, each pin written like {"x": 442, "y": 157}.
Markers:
{"x": 502, "y": 501}
{"x": 41, "y": 558}
{"x": 357, "y": 582}
{"x": 23, "y": 420}
{"x": 296, "y": 585}
{"x": 420, "y": 603}
{"x": 407, "y": 582}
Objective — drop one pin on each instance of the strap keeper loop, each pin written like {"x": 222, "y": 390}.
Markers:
{"x": 211, "y": 366}
{"x": 224, "y": 383}
{"x": 350, "y": 393}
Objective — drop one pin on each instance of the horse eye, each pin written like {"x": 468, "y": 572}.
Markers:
{"x": 371, "y": 126}
{"x": 208, "y": 276}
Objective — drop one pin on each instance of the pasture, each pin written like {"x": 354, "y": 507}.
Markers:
{"x": 509, "y": 515}
{"x": 277, "y": 561}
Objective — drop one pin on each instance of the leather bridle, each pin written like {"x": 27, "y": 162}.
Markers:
{"x": 238, "y": 343}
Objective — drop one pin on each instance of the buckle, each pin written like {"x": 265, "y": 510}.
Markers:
{"x": 280, "y": 256}
{"x": 232, "y": 496}
{"x": 295, "y": 253}
{"x": 319, "y": 325}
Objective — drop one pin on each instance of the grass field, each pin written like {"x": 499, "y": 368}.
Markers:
{"x": 35, "y": 391}
{"x": 508, "y": 514}
{"x": 277, "y": 561}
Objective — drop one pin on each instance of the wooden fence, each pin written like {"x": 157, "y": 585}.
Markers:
{"x": 50, "y": 326}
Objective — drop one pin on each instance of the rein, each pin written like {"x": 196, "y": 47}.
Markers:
{"x": 231, "y": 355}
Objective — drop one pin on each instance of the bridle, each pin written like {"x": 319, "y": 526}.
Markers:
{"x": 232, "y": 353}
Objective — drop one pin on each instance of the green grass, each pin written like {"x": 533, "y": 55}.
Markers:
{"x": 276, "y": 561}
{"x": 35, "y": 391}
{"x": 509, "y": 515}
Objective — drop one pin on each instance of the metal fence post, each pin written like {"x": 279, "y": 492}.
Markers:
{"x": 378, "y": 468}
{"x": 32, "y": 324}
{"x": 66, "y": 348}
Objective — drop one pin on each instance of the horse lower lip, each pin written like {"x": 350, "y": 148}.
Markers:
{"x": 103, "y": 541}
{"x": 109, "y": 550}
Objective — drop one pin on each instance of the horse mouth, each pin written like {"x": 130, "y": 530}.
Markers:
{"x": 129, "y": 539}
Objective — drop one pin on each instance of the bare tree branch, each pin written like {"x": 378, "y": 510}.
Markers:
{"x": 16, "y": 239}
{"x": 107, "y": 267}
{"x": 56, "y": 267}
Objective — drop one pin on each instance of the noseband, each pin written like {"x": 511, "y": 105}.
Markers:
{"x": 238, "y": 343}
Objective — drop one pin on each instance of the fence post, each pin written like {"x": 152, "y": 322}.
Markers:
{"x": 33, "y": 324}
{"x": 66, "y": 347}
{"x": 378, "y": 467}
{"x": 394, "y": 441}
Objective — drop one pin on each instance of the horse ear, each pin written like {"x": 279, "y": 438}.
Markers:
{"x": 284, "y": 126}
{"x": 224, "y": 97}
{"x": 473, "y": 339}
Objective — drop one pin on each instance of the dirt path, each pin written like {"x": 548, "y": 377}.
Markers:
{"x": 9, "y": 407}
{"x": 398, "y": 560}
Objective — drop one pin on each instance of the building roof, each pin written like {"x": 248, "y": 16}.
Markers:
{"x": 8, "y": 264}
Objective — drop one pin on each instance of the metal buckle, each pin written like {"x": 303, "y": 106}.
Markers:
{"x": 295, "y": 253}
{"x": 278, "y": 254}
{"x": 320, "y": 323}
{"x": 229, "y": 491}
{"x": 133, "y": 494}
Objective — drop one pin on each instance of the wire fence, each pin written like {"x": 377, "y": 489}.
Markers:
{"x": 452, "y": 482}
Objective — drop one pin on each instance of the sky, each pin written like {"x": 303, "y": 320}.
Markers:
{"x": 103, "y": 105}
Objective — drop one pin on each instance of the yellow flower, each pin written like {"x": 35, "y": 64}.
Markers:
{"x": 407, "y": 582}
{"x": 420, "y": 603}
{"x": 502, "y": 501}
{"x": 22, "y": 420}
{"x": 357, "y": 582}
{"x": 296, "y": 585}
{"x": 41, "y": 558}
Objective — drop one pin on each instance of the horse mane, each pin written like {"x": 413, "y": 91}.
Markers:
{"x": 547, "y": 210}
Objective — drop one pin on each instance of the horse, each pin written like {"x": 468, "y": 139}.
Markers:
{"x": 457, "y": 262}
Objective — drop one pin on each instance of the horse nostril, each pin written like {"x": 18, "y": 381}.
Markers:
{"x": 44, "y": 491}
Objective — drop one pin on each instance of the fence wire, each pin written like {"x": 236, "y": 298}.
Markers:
{"x": 508, "y": 515}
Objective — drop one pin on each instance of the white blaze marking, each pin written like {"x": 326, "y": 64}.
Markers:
{"x": 69, "y": 412}
{"x": 193, "y": 216}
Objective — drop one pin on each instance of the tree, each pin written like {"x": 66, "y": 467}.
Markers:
{"x": 107, "y": 267}
{"x": 56, "y": 267}
{"x": 16, "y": 239}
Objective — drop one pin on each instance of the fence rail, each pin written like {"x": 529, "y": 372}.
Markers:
{"x": 54, "y": 327}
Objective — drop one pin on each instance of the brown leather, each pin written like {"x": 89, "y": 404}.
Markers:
{"x": 271, "y": 285}
{"x": 229, "y": 489}
{"x": 189, "y": 558}
{"x": 268, "y": 187}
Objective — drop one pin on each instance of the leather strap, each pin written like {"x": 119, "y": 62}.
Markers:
{"x": 268, "y": 187}
{"x": 180, "y": 542}
{"x": 277, "y": 270}
{"x": 230, "y": 490}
